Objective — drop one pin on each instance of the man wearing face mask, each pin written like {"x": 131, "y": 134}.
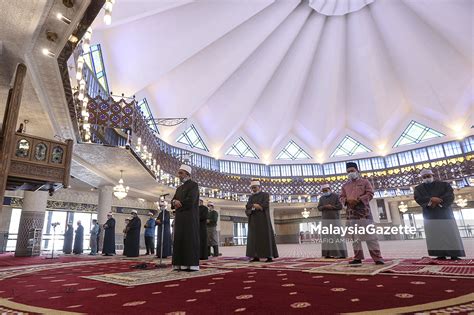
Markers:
{"x": 186, "y": 224}
{"x": 333, "y": 246}
{"x": 261, "y": 239}
{"x": 356, "y": 195}
{"x": 442, "y": 233}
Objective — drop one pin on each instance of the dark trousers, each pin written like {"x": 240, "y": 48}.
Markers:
{"x": 150, "y": 244}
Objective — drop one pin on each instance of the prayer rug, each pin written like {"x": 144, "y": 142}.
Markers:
{"x": 433, "y": 270}
{"x": 368, "y": 269}
{"x": 433, "y": 261}
{"x": 141, "y": 277}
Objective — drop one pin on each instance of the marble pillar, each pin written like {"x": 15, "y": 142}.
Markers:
{"x": 104, "y": 206}
{"x": 32, "y": 217}
{"x": 5, "y": 218}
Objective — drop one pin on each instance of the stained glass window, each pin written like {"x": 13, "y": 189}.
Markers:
{"x": 416, "y": 133}
{"x": 348, "y": 147}
{"x": 241, "y": 149}
{"x": 93, "y": 59}
{"x": 292, "y": 151}
{"x": 192, "y": 138}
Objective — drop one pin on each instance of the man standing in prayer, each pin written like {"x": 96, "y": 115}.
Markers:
{"x": 203, "y": 212}
{"x": 356, "y": 194}
{"x": 79, "y": 239}
{"x": 166, "y": 233}
{"x": 68, "y": 239}
{"x": 150, "y": 227}
{"x": 93, "y": 239}
{"x": 442, "y": 233}
{"x": 186, "y": 227}
{"x": 127, "y": 221}
{"x": 108, "y": 249}
{"x": 132, "y": 245}
{"x": 212, "y": 237}
{"x": 333, "y": 246}
{"x": 261, "y": 239}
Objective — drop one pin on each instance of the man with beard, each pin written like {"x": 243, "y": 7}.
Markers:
{"x": 68, "y": 238}
{"x": 332, "y": 245}
{"x": 186, "y": 223}
{"x": 163, "y": 222}
{"x": 132, "y": 243}
{"x": 442, "y": 233}
{"x": 79, "y": 239}
{"x": 108, "y": 249}
{"x": 261, "y": 239}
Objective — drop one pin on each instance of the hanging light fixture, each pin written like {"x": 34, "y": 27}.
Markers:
{"x": 119, "y": 190}
{"x": 403, "y": 207}
{"x": 461, "y": 202}
{"x": 108, "y": 11}
{"x": 305, "y": 213}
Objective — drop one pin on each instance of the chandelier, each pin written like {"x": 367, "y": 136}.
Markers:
{"x": 119, "y": 190}
{"x": 402, "y": 207}
{"x": 461, "y": 202}
{"x": 305, "y": 213}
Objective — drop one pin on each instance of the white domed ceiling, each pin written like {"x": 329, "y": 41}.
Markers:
{"x": 275, "y": 71}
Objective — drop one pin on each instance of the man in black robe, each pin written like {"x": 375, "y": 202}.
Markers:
{"x": 68, "y": 238}
{"x": 186, "y": 223}
{"x": 79, "y": 239}
{"x": 163, "y": 231}
{"x": 203, "y": 212}
{"x": 442, "y": 233}
{"x": 132, "y": 244}
{"x": 212, "y": 236}
{"x": 332, "y": 245}
{"x": 261, "y": 239}
{"x": 108, "y": 249}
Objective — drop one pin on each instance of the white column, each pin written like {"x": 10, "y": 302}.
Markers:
{"x": 272, "y": 217}
{"x": 32, "y": 217}
{"x": 105, "y": 203}
{"x": 396, "y": 216}
{"x": 104, "y": 206}
{"x": 5, "y": 218}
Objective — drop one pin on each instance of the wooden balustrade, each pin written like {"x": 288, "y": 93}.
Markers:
{"x": 38, "y": 163}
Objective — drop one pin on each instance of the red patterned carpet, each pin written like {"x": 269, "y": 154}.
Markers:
{"x": 9, "y": 260}
{"x": 225, "y": 289}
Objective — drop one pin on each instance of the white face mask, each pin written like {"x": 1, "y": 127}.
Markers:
{"x": 326, "y": 194}
{"x": 428, "y": 180}
{"x": 353, "y": 175}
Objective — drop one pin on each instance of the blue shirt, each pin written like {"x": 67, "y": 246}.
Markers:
{"x": 150, "y": 229}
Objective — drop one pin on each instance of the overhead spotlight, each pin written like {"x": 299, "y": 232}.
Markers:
{"x": 47, "y": 52}
{"x": 61, "y": 17}
{"x": 73, "y": 39}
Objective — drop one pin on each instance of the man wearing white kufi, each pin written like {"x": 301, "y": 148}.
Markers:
{"x": 186, "y": 224}
{"x": 332, "y": 245}
{"x": 261, "y": 239}
{"x": 442, "y": 233}
{"x": 163, "y": 223}
{"x": 109, "y": 236}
